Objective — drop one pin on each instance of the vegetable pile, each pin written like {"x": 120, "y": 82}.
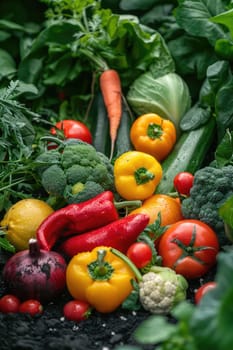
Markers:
{"x": 116, "y": 165}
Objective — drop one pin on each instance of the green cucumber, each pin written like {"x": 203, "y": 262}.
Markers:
{"x": 123, "y": 142}
{"x": 188, "y": 154}
{"x": 100, "y": 130}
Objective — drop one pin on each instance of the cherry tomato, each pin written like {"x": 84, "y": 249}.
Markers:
{"x": 189, "y": 247}
{"x": 9, "y": 303}
{"x": 76, "y": 310}
{"x": 73, "y": 129}
{"x": 203, "y": 290}
{"x": 31, "y": 306}
{"x": 140, "y": 254}
{"x": 183, "y": 182}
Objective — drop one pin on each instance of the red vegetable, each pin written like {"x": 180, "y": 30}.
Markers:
{"x": 35, "y": 274}
{"x": 73, "y": 129}
{"x": 201, "y": 291}
{"x": 119, "y": 234}
{"x": 183, "y": 182}
{"x": 31, "y": 307}
{"x": 189, "y": 247}
{"x": 9, "y": 303}
{"x": 140, "y": 254}
{"x": 77, "y": 218}
{"x": 110, "y": 86}
{"x": 77, "y": 310}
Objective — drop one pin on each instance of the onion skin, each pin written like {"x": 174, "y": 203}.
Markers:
{"x": 35, "y": 274}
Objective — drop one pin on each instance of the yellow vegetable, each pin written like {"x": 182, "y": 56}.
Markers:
{"x": 136, "y": 175}
{"x": 21, "y": 221}
{"x": 100, "y": 278}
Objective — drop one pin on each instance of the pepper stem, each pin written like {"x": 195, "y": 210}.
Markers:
{"x": 126, "y": 204}
{"x": 142, "y": 176}
{"x": 131, "y": 265}
{"x": 100, "y": 269}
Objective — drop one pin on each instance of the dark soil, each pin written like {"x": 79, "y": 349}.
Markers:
{"x": 52, "y": 332}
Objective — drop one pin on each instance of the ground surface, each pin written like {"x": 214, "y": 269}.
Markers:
{"x": 51, "y": 331}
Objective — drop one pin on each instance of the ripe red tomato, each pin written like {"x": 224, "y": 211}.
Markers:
{"x": 140, "y": 254}
{"x": 203, "y": 290}
{"x": 9, "y": 303}
{"x": 73, "y": 129}
{"x": 183, "y": 182}
{"x": 31, "y": 306}
{"x": 76, "y": 310}
{"x": 189, "y": 247}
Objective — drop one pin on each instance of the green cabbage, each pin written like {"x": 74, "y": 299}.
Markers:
{"x": 167, "y": 96}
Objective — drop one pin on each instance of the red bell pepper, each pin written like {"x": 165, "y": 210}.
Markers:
{"x": 77, "y": 218}
{"x": 119, "y": 234}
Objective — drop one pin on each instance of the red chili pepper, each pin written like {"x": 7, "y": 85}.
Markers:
{"x": 77, "y": 218}
{"x": 119, "y": 234}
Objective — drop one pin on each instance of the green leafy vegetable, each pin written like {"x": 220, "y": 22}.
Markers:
{"x": 167, "y": 95}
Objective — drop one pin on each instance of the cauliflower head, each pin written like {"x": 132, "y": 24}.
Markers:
{"x": 161, "y": 289}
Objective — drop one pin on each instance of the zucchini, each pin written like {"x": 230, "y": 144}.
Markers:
{"x": 100, "y": 129}
{"x": 123, "y": 143}
{"x": 188, "y": 154}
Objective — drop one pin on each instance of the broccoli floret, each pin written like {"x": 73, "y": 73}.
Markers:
{"x": 82, "y": 154}
{"x": 77, "y": 164}
{"x": 81, "y": 192}
{"x": 78, "y": 173}
{"x": 46, "y": 159}
{"x": 211, "y": 187}
{"x": 54, "y": 186}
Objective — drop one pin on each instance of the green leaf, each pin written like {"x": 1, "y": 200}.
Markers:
{"x": 6, "y": 245}
{"x": 194, "y": 18}
{"x": 7, "y": 64}
{"x": 195, "y": 117}
{"x": 60, "y": 33}
{"x": 137, "y": 4}
{"x": 225, "y": 18}
{"x": 29, "y": 70}
{"x": 224, "y": 150}
{"x": 211, "y": 324}
{"x": 226, "y": 211}
{"x": 153, "y": 330}
{"x": 224, "y": 109}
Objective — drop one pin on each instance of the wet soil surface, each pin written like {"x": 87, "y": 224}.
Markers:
{"x": 51, "y": 331}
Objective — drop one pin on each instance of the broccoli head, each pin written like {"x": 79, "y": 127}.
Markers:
{"x": 76, "y": 172}
{"x": 211, "y": 187}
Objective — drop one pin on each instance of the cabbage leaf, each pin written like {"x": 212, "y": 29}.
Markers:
{"x": 167, "y": 95}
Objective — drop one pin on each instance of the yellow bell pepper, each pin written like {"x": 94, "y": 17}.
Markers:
{"x": 100, "y": 278}
{"x": 154, "y": 135}
{"x": 136, "y": 175}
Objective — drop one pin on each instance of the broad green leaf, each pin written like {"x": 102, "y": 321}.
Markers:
{"x": 226, "y": 212}
{"x": 29, "y": 70}
{"x": 224, "y": 151}
{"x": 7, "y": 64}
{"x": 193, "y": 16}
{"x": 153, "y": 330}
{"x": 224, "y": 108}
{"x": 211, "y": 323}
{"x": 137, "y": 4}
{"x": 226, "y": 19}
{"x": 58, "y": 33}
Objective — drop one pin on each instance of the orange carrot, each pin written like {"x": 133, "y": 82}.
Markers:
{"x": 110, "y": 86}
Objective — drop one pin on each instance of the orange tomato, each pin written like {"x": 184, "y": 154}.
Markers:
{"x": 168, "y": 207}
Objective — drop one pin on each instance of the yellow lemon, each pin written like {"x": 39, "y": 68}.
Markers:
{"x": 22, "y": 220}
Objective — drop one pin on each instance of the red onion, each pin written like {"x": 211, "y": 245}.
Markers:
{"x": 35, "y": 273}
